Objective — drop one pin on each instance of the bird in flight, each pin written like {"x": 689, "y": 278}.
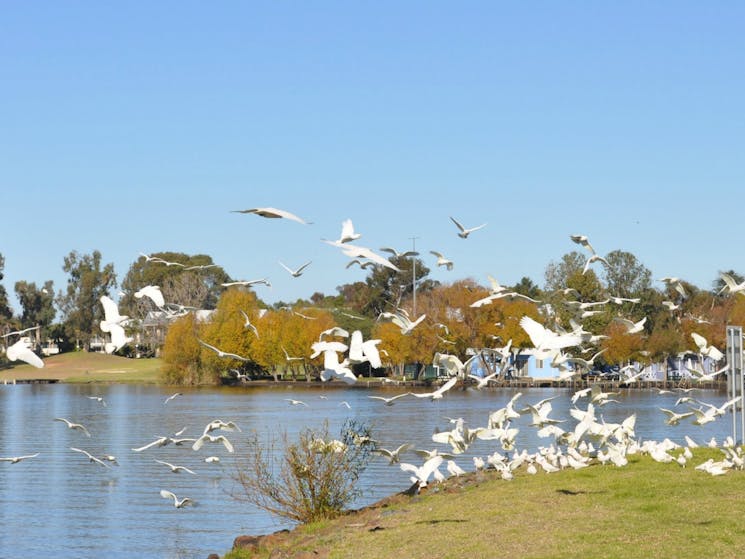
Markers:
{"x": 178, "y": 503}
{"x": 172, "y": 396}
{"x": 176, "y": 469}
{"x": 273, "y": 213}
{"x": 16, "y": 459}
{"x": 442, "y": 261}
{"x": 222, "y": 353}
{"x": 71, "y": 425}
{"x": 463, "y": 231}
{"x": 247, "y": 283}
{"x": 92, "y": 459}
{"x": 297, "y": 272}
{"x": 347, "y": 232}
{"x": 20, "y": 350}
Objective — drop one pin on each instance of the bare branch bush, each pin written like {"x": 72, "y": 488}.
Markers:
{"x": 310, "y": 479}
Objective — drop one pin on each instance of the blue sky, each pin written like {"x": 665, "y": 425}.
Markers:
{"x": 139, "y": 127}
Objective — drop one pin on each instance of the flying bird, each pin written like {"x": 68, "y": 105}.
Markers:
{"x": 631, "y": 327}
{"x": 16, "y": 459}
{"x": 153, "y": 293}
{"x": 21, "y": 351}
{"x": 178, "y": 503}
{"x": 705, "y": 349}
{"x": 92, "y": 459}
{"x": 347, "y": 232}
{"x": 397, "y": 254}
{"x": 294, "y": 402}
{"x": 172, "y": 396}
{"x": 464, "y": 232}
{"x": 583, "y": 241}
{"x": 75, "y": 426}
{"x": 247, "y": 323}
{"x": 176, "y": 469}
{"x": 272, "y": 213}
{"x": 211, "y": 439}
{"x": 389, "y": 401}
{"x": 247, "y": 283}
{"x": 222, "y": 353}
{"x": 442, "y": 261}
{"x": 98, "y": 399}
{"x": 730, "y": 284}
{"x": 297, "y": 272}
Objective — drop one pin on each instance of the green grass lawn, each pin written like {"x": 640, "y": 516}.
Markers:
{"x": 643, "y": 510}
{"x": 81, "y": 366}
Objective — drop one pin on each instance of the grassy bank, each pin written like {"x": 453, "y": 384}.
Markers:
{"x": 80, "y": 366}
{"x": 643, "y": 510}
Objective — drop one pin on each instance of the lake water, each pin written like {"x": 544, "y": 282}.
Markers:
{"x": 60, "y": 505}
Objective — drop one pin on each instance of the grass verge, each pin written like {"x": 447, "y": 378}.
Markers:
{"x": 643, "y": 510}
{"x": 81, "y": 366}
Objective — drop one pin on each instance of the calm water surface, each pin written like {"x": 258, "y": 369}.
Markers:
{"x": 60, "y": 505}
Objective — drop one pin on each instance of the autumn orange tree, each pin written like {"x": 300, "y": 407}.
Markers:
{"x": 293, "y": 331}
{"x": 181, "y": 354}
{"x": 226, "y": 330}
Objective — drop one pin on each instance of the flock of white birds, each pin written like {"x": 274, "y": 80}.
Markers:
{"x": 588, "y": 440}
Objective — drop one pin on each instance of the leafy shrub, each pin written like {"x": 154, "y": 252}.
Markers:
{"x": 311, "y": 479}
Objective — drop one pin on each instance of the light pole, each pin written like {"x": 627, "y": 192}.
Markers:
{"x": 413, "y": 276}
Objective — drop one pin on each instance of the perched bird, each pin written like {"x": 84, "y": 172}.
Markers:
{"x": 297, "y": 272}
{"x": 272, "y": 213}
{"x": 464, "y": 232}
{"x": 176, "y": 469}
{"x": 71, "y": 425}
{"x": 178, "y": 503}
{"x": 442, "y": 261}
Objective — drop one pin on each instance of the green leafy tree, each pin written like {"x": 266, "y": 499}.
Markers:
{"x": 37, "y": 304}
{"x": 624, "y": 275}
{"x": 80, "y": 305}
{"x": 190, "y": 280}
{"x": 558, "y": 274}
{"x": 6, "y": 313}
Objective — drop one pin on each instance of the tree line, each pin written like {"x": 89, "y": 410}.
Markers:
{"x": 287, "y": 329}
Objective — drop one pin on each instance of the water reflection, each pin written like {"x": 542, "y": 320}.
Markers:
{"x": 59, "y": 504}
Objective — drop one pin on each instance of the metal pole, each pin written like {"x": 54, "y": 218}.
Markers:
{"x": 413, "y": 277}
{"x": 735, "y": 388}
